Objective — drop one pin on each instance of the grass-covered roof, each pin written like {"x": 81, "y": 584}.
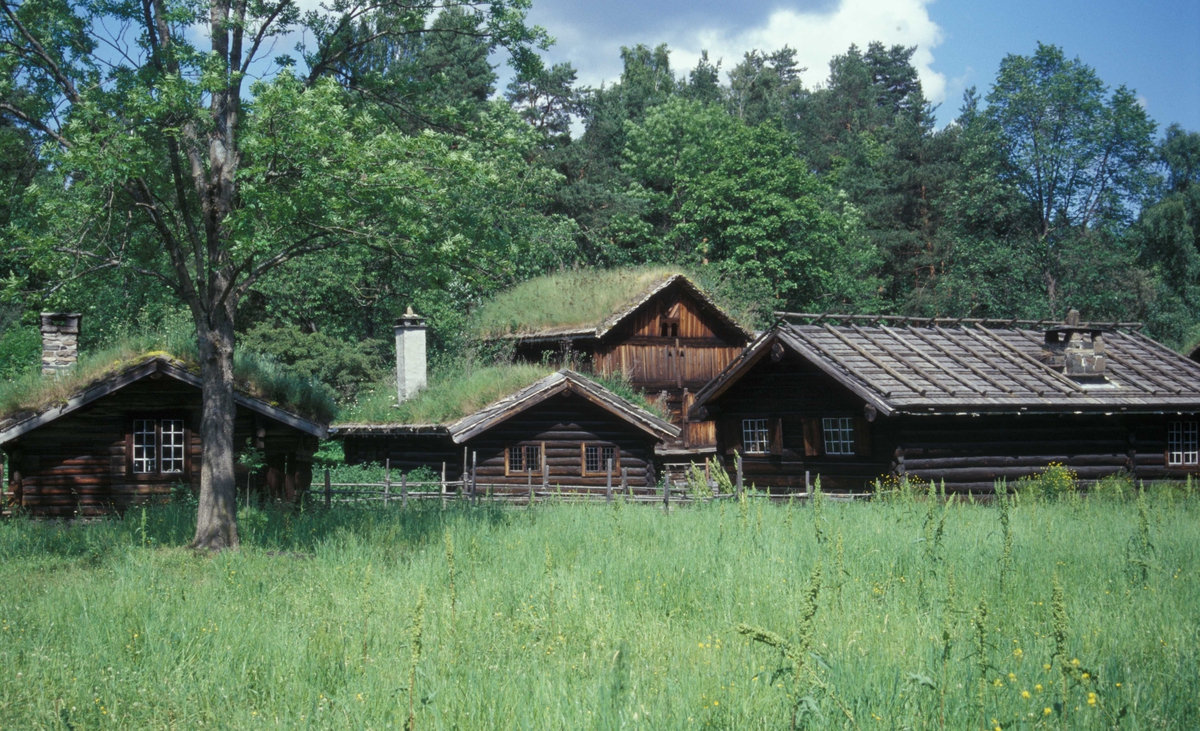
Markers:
{"x": 462, "y": 391}
{"x": 254, "y": 376}
{"x": 581, "y": 300}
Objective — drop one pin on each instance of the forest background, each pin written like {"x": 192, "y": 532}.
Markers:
{"x": 1049, "y": 190}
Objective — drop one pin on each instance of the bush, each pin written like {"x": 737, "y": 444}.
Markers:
{"x": 1056, "y": 481}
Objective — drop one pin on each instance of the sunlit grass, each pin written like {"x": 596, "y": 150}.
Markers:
{"x": 581, "y": 616}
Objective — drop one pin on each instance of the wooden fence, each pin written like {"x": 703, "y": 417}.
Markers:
{"x": 469, "y": 489}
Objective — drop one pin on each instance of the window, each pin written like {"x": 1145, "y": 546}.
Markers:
{"x": 525, "y": 458}
{"x": 158, "y": 447}
{"x": 596, "y": 457}
{"x": 172, "y": 445}
{"x": 1182, "y": 444}
{"x": 145, "y": 443}
{"x": 839, "y": 435}
{"x": 756, "y": 437}
{"x": 668, "y": 329}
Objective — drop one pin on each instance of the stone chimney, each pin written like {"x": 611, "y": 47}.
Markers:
{"x": 410, "y": 355}
{"x": 60, "y": 341}
{"x": 1077, "y": 351}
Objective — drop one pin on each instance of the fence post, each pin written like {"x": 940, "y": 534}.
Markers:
{"x": 529, "y": 478}
{"x": 443, "y": 485}
{"x": 624, "y": 480}
{"x": 403, "y": 490}
{"x": 328, "y": 491}
{"x": 806, "y": 488}
{"x": 608, "y": 484}
{"x": 387, "y": 481}
{"x": 738, "y": 459}
{"x": 666, "y": 496}
{"x": 545, "y": 474}
{"x": 474, "y": 498}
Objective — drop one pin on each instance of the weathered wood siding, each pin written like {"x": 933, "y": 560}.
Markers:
{"x": 79, "y": 465}
{"x": 563, "y": 424}
{"x": 968, "y": 452}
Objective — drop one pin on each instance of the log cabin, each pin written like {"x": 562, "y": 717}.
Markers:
{"x": 656, "y": 328}
{"x": 563, "y": 429}
{"x": 130, "y": 433}
{"x": 968, "y": 402}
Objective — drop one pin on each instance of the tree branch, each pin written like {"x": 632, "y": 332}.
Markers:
{"x": 36, "y": 124}
{"x": 65, "y": 83}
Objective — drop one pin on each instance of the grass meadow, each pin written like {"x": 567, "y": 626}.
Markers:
{"x": 1075, "y": 614}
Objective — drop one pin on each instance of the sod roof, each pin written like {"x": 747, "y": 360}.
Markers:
{"x": 258, "y": 384}
{"x": 584, "y": 303}
{"x": 454, "y": 396}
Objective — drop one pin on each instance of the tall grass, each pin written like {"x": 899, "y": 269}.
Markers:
{"x": 594, "y": 616}
{"x": 254, "y": 375}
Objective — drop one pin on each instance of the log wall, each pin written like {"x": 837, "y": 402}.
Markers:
{"x": 78, "y": 465}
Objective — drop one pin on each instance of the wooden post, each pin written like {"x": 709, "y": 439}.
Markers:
{"x": 608, "y": 485}
{"x": 387, "y": 481}
{"x": 666, "y": 496}
{"x": 806, "y": 487}
{"x": 545, "y": 474}
{"x": 463, "y": 490}
{"x": 624, "y": 480}
{"x": 529, "y": 477}
{"x": 738, "y": 460}
{"x": 328, "y": 491}
{"x": 403, "y": 490}
{"x": 474, "y": 476}
{"x": 443, "y": 485}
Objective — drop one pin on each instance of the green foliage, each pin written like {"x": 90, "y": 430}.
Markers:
{"x": 320, "y": 356}
{"x": 97, "y": 617}
{"x": 20, "y": 351}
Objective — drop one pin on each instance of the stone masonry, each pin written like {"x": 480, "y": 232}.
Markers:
{"x": 60, "y": 341}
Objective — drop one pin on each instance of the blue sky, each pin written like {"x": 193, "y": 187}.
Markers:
{"x": 1153, "y": 47}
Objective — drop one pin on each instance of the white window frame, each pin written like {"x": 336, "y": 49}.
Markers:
{"x": 756, "y": 436}
{"x": 145, "y": 446}
{"x": 172, "y": 443}
{"x": 838, "y": 432}
{"x": 1183, "y": 444}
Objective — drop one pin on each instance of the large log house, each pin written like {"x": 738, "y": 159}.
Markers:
{"x": 969, "y": 402}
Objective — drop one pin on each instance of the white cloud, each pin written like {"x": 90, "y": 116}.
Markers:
{"x": 817, "y": 37}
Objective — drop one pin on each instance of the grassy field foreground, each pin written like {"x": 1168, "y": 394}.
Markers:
{"x": 579, "y": 617}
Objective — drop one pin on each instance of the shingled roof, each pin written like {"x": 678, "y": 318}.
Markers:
{"x": 955, "y": 367}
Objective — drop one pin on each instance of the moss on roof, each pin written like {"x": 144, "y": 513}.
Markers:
{"x": 254, "y": 376}
{"x": 581, "y": 299}
{"x": 463, "y": 391}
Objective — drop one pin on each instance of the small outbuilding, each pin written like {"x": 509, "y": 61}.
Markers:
{"x": 93, "y": 439}
{"x": 968, "y": 402}
{"x": 562, "y": 429}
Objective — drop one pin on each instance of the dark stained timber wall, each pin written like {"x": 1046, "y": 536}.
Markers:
{"x": 79, "y": 465}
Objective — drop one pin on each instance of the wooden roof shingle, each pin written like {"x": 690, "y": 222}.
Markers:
{"x": 942, "y": 367}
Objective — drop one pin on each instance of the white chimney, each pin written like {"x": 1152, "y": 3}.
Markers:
{"x": 410, "y": 355}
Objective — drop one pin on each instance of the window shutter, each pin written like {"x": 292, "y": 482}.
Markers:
{"x": 862, "y": 437}
{"x": 776, "y": 436}
{"x": 812, "y": 437}
{"x": 733, "y": 436}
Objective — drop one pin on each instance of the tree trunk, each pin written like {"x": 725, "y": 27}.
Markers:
{"x": 216, "y": 519}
